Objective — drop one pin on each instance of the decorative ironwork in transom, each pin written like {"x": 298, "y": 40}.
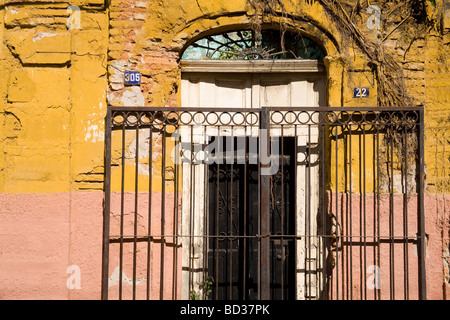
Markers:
{"x": 251, "y": 45}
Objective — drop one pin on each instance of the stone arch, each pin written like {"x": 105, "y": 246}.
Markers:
{"x": 314, "y": 31}
{"x": 325, "y": 34}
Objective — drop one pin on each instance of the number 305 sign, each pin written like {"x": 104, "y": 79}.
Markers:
{"x": 360, "y": 92}
{"x": 132, "y": 77}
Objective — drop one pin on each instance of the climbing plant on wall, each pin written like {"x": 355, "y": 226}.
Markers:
{"x": 348, "y": 15}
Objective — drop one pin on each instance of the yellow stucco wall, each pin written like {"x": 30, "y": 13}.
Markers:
{"x": 53, "y": 94}
{"x": 61, "y": 67}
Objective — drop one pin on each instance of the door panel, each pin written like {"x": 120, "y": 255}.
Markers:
{"x": 233, "y": 228}
{"x": 275, "y": 93}
{"x": 221, "y": 91}
{"x": 243, "y": 90}
{"x": 233, "y": 211}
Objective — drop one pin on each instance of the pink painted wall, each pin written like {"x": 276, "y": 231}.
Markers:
{"x": 398, "y": 258}
{"x": 170, "y": 273}
{"x": 41, "y": 235}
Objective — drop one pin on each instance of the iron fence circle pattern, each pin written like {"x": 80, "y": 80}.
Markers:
{"x": 276, "y": 117}
{"x": 238, "y": 119}
{"x": 212, "y": 118}
{"x": 290, "y": 117}
{"x": 185, "y": 117}
{"x": 198, "y": 118}
{"x": 145, "y": 119}
{"x": 330, "y": 117}
{"x": 316, "y": 117}
{"x": 358, "y": 119}
{"x": 225, "y": 119}
{"x": 172, "y": 117}
{"x": 118, "y": 119}
{"x": 251, "y": 119}
{"x": 369, "y": 117}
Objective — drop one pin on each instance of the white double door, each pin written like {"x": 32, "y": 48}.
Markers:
{"x": 250, "y": 91}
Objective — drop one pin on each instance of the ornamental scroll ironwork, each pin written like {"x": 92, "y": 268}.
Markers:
{"x": 251, "y": 45}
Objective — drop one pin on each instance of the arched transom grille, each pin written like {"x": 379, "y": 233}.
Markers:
{"x": 251, "y": 45}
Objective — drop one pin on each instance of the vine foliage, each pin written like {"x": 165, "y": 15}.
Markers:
{"x": 388, "y": 71}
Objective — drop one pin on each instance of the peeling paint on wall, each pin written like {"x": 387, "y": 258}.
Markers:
{"x": 10, "y": 127}
{"x": 42, "y": 35}
{"x": 447, "y": 265}
{"x": 115, "y": 277}
{"x": 133, "y": 97}
{"x": 94, "y": 134}
{"x": 143, "y": 151}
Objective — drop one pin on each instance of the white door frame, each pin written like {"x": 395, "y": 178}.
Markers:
{"x": 193, "y": 255}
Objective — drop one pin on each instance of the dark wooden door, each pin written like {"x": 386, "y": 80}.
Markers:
{"x": 234, "y": 206}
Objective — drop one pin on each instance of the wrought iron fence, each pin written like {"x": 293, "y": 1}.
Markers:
{"x": 267, "y": 203}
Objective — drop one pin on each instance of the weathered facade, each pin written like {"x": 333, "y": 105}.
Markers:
{"x": 63, "y": 63}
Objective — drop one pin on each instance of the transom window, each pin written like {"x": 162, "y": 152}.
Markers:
{"x": 251, "y": 45}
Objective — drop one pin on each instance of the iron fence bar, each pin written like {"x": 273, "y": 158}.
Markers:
{"x": 205, "y": 229}
{"x": 122, "y": 206}
{"x": 149, "y": 219}
{"x": 364, "y": 283}
{"x": 296, "y": 205}
{"x": 282, "y": 214}
{"x": 322, "y": 204}
{"x": 391, "y": 213}
{"x": 345, "y": 217}
{"x": 271, "y": 108}
{"x": 338, "y": 239}
{"x": 217, "y": 219}
{"x": 230, "y": 243}
{"x": 350, "y": 220}
{"x": 258, "y": 268}
{"x": 374, "y": 217}
{"x": 191, "y": 209}
{"x": 244, "y": 263}
{"x": 405, "y": 213}
{"x": 107, "y": 209}
{"x": 378, "y": 203}
{"x": 265, "y": 212}
{"x": 176, "y": 217}
{"x": 308, "y": 215}
{"x": 383, "y": 238}
{"x": 340, "y": 108}
{"x": 163, "y": 208}
{"x": 361, "y": 214}
{"x": 135, "y": 223}
{"x": 421, "y": 211}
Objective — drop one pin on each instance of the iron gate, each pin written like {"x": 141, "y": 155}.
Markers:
{"x": 268, "y": 203}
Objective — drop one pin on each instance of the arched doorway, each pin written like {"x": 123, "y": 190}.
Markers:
{"x": 247, "y": 70}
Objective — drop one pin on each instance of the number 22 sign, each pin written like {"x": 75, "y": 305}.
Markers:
{"x": 360, "y": 92}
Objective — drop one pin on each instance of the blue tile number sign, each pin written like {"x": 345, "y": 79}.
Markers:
{"x": 361, "y": 92}
{"x": 132, "y": 77}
